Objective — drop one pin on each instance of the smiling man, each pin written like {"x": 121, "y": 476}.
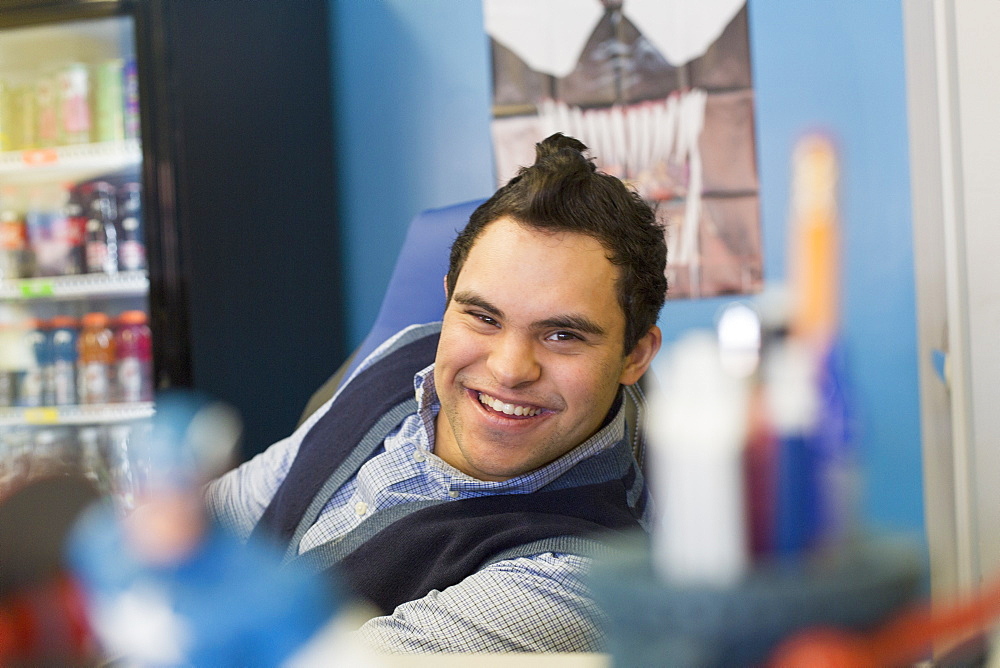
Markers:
{"x": 464, "y": 474}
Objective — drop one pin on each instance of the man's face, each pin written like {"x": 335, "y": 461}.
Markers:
{"x": 530, "y": 357}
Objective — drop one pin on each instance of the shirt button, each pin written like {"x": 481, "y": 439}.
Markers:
{"x": 418, "y": 456}
{"x": 453, "y": 493}
{"x": 361, "y": 507}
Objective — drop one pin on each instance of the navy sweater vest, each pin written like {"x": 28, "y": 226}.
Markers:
{"x": 403, "y": 552}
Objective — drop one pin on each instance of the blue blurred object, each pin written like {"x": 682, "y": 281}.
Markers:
{"x": 225, "y": 604}
{"x": 164, "y": 585}
{"x": 191, "y": 439}
{"x": 651, "y": 623}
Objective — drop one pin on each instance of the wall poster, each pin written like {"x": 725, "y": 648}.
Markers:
{"x": 661, "y": 92}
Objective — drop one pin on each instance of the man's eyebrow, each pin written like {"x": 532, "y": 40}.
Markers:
{"x": 578, "y": 323}
{"x": 472, "y": 299}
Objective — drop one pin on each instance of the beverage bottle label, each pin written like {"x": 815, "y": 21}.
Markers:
{"x": 131, "y": 251}
{"x": 109, "y": 101}
{"x": 96, "y": 379}
{"x": 64, "y": 383}
{"x": 97, "y": 256}
{"x": 74, "y": 93}
{"x": 46, "y": 95}
{"x": 130, "y": 88}
{"x": 30, "y": 393}
{"x": 130, "y": 379}
{"x": 49, "y": 385}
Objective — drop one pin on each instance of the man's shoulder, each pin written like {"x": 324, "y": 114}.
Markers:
{"x": 397, "y": 341}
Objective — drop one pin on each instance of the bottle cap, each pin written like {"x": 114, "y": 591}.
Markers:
{"x": 96, "y": 319}
{"x": 64, "y": 322}
{"x": 132, "y": 318}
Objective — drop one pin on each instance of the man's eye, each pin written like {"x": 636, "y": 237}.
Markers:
{"x": 484, "y": 318}
{"x": 563, "y": 336}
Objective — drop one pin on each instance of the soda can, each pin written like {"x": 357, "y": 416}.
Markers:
{"x": 130, "y": 90}
{"x": 109, "y": 101}
{"x": 74, "y": 104}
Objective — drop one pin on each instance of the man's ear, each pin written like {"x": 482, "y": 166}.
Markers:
{"x": 444, "y": 282}
{"x": 637, "y": 361}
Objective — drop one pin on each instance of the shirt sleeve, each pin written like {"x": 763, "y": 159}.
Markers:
{"x": 237, "y": 499}
{"x": 530, "y": 604}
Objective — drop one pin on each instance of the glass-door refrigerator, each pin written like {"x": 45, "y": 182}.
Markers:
{"x": 80, "y": 245}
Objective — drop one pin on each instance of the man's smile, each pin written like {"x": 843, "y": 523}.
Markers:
{"x": 508, "y": 409}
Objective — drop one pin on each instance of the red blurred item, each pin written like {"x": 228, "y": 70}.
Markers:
{"x": 902, "y": 640}
{"x": 46, "y": 624}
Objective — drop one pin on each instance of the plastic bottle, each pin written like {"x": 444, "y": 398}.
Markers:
{"x": 133, "y": 344}
{"x": 47, "y": 109}
{"x": 15, "y": 358}
{"x": 74, "y": 104}
{"x": 109, "y": 101}
{"x": 96, "y": 349}
{"x": 42, "y": 344}
{"x": 101, "y": 232}
{"x": 33, "y": 384}
{"x": 16, "y": 256}
{"x": 131, "y": 249}
{"x": 64, "y": 333}
{"x": 130, "y": 91}
{"x": 75, "y": 231}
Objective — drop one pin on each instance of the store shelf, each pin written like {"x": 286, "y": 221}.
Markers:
{"x": 52, "y": 163}
{"x": 75, "y": 415}
{"x": 82, "y": 286}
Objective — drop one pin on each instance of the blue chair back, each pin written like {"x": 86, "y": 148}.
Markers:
{"x": 415, "y": 293}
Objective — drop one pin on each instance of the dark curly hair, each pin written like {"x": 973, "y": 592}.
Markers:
{"x": 563, "y": 191}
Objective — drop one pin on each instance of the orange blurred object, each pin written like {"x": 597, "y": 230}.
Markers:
{"x": 814, "y": 241}
{"x": 902, "y": 640}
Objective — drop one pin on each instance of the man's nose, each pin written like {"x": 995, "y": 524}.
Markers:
{"x": 512, "y": 360}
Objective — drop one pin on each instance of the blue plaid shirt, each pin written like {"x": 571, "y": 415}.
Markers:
{"x": 530, "y": 604}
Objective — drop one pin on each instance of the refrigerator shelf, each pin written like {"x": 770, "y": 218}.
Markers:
{"x": 48, "y": 163}
{"x": 81, "y": 286}
{"x": 75, "y": 415}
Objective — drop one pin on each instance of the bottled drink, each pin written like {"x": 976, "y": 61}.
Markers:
{"x": 101, "y": 231}
{"x": 16, "y": 255}
{"x": 109, "y": 101}
{"x": 15, "y": 358}
{"x": 41, "y": 344}
{"x": 96, "y": 359}
{"x": 133, "y": 346}
{"x": 130, "y": 91}
{"x": 74, "y": 104}
{"x": 75, "y": 231}
{"x": 32, "y": 390}
{"x": 47, "y": 108}
{"x": 64, "y": 334}
{"x": 131, "y": 249}
{"x": 40, "y": 222}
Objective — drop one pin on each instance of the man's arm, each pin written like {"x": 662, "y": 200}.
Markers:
{"x": 529, "y": 604}
{"x": 238, "y": 499}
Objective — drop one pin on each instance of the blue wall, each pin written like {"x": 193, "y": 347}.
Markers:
{"x": 411, "y": 115}
{"x": 411, "y": 87}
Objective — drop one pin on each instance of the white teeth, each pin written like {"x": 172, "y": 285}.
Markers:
{"x": 507, "y": 409}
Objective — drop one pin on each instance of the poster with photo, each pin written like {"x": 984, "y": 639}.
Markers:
{"x": 661, "y": 92}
